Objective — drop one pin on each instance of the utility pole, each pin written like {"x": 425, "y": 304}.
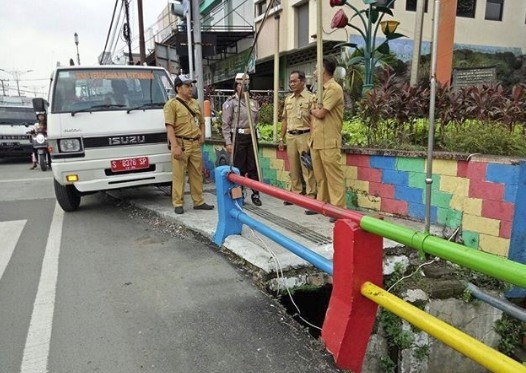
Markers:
{"x": 76, "y": 36}
{"x": 417, "y": 44}
{"x": 196, "y": 15}
{"x": 127, "y": 31}
{"x": 3, "y": 87}
{"x": 141, "y": 33}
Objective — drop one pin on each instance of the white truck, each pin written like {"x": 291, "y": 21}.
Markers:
{"x": 106, "y": 129}
{"x": 16, "y": 118}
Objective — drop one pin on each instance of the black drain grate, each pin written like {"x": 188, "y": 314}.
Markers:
{"x": 287, "y": 224}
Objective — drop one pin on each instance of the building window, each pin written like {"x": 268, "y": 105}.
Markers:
{"x": 410, "y": 5}
{"x": 466, "y": 8}
{"x": 384, "y": 3}
{"x": 494, "y": 10}
{"x": 261, "y": 8}
{"x": 302, "y": 23}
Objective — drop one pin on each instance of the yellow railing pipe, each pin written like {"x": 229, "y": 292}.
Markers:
{"x": 463, "y": 343}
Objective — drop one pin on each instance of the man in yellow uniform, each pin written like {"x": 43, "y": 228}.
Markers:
{"x": 326, "y": 139}
{"x": 185, "y": 127}
{"x": 296, "y": 126}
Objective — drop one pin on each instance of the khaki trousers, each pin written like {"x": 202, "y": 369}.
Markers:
{"x": 191, "y": 163}
{"x": 329, "y": 176}
{"x": 295, "y": 145}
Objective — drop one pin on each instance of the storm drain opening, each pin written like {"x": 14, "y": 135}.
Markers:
{"x": 312, "y": 304}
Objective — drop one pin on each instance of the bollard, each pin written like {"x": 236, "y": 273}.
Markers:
{"x": 350, "y": 316}
{"x": 208, "y": 119}
{"x": 227, "y": 225}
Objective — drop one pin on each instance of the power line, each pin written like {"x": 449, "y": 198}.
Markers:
{"x": 109, "y": 30}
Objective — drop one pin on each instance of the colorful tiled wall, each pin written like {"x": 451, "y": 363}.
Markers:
{"x": 477, "y": 196}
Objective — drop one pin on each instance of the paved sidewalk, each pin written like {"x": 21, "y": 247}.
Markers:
{"x": 312, "y": 231}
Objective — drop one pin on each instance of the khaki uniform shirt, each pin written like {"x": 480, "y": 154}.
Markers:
{"x": 234, "y": 109}
{"x": 183, "y": 122}
{"x": 297, "y": 110}
{"x": 327, "y": 132}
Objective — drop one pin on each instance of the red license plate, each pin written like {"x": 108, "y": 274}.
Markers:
{"x": 128, "y": 164}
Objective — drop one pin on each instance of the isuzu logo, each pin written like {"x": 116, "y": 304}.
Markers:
{"x": 127, "y": 140}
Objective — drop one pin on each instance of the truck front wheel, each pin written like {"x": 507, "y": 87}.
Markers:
{"x": 67, "y": 196}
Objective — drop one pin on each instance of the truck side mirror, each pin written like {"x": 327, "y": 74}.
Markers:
{"x": 40, "y": 105}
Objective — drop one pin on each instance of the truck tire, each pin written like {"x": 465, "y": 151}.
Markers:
{"x": 67, "y": 196}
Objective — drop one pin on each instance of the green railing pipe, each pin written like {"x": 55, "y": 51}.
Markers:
{"x": 489, "y": 264}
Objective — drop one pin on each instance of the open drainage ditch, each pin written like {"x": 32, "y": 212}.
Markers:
{"x": 312, "y": 304}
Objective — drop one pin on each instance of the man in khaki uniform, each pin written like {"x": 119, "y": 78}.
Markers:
{"x": 185, "y": 127}
{"x": 296, "y": 126}
{"x": 326, "y": 139}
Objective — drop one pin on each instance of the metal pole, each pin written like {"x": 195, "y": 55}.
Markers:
{"x": 196, "y": 17}
{"x": 77, "y": 46}
{"x": 417, "y": 43}
{"x": 431, "y": 136}
{"x": 142, "y": 49}
{"x": 3, "y": 88}
{"x": 252, "y": 132}
{"x": 276, "y": 79}
{"x": 189, "y": 43}
{"x": 127, "y": 31}
{"x": 319, "y": 52}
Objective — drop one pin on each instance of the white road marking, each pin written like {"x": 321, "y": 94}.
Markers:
{"x": 26, "y": 180}
{"x": 9, "y": 234}
{"x": 36, "y": 350}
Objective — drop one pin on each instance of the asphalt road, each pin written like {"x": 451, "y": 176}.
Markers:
{"x": 109, "y": 288}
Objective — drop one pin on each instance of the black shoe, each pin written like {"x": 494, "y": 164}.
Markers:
{"x": 33, "y": 167}
{"x": 179, "y": 210}
{"x": 204, "y": 206}
{"x": 255, "y": 200}
{"x": 333, "y": 220}
{"x": 310, "y": 212}
{"x": 287, "y": 203}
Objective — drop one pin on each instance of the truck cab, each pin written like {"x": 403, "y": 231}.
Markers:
{"x": 106, "y": 129}
{"x": 16, "y": 118}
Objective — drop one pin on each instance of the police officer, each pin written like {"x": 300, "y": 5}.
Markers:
{"x": 235, "y": 123}
{"x": 185, "y": 130}
{"x": 295, "y": 126}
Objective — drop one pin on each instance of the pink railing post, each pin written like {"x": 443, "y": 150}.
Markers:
{"x": 350, "y": 316}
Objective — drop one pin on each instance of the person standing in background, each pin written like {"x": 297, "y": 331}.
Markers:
{"x": 235, "y": 123}
{"x": 185, "y": 130}
{"x": 296, "y": 128}
{"x": 326, "y": 139}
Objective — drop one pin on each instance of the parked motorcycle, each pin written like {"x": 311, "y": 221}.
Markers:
{"x": 39, "y": 141}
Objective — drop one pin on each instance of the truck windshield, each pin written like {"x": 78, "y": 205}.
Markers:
{"x": 109, "y": 89}
{"x": 17, "y": 115}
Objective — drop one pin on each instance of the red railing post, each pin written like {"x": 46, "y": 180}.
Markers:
{"x": 350, "y": 316}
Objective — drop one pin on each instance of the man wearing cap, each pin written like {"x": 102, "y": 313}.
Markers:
{"x": 185, "y": 127}
{"x": 295, "y": 126}
{"x": 235, "y": 123}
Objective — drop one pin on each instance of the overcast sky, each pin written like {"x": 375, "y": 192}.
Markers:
{"x": 36, "y": 34}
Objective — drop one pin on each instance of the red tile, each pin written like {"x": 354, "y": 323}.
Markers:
{"x": 360, "y": 160}
{"x": 369, "y": 174}
{"x": 281, "y": 154}
{"x": 381, "y": 190}
{"x": 394, "y": 206}
{"x": 505, "y": 229}
{"x": 462, "y": 168}
{"x": 477, "y": 170}
{"x": 500, "y": 210}
{"x": 486, "y": 190}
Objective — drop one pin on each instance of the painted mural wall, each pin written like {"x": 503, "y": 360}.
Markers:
{"x": 474, "y": 198}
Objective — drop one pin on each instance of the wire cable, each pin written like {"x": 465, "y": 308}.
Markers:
{"x": 109, "y": 30}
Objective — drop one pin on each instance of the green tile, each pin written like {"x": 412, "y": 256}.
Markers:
{"x": 471, "y": 239}
{"x": 440, "y": 199}
{"x": 418, "y": 180}
{"x": 449, "y": 217}
{"x": 410, "y": 164}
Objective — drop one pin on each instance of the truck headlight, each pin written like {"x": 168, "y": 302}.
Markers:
{"x": 69, "y": 145}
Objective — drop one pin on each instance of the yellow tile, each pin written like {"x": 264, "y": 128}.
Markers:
{"x": 472, "y": 206}
{"x": 350, "y": 172}
{"x": 481, "y": 225}
{"x": 369, "y": 202}
{"x": 457, "y": 202}
{"x": 269, "y": 152}
{"x": 454, "y": 185}
{"x": 283, "y": 175}
{"x": 494, "y": 245}
{"x": 444, "y": 167}
{"x": 361, "y": 185}
{"x": 277, "y": 164}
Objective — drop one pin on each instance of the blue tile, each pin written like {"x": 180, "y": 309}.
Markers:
{"x": 408, "y": 194}
{"x": 418, "y": 211}
{"x": 387, "y": 163}
{"x": 503, "y": 173}
{"x": 510, "y": 192}
{"x": 395, "y": 177}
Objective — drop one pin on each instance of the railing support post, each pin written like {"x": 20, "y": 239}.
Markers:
{"x": 350, "y": 316}
{"x": 226, "y": 224}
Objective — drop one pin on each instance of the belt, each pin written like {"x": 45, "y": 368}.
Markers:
{"x": 298, "y": 132}
{"x": 243, "y": 131}
{"x": 188, "y": 138}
